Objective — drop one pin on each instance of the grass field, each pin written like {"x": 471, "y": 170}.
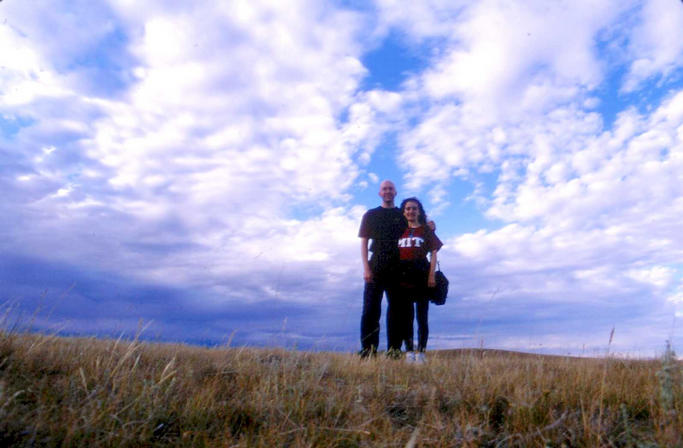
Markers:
{"x": 91, "y": 392}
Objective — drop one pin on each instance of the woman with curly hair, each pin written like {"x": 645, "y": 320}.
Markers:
{"x": 417, "y": 274}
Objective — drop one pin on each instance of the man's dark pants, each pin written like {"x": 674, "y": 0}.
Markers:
{"x": 384, "y": 280}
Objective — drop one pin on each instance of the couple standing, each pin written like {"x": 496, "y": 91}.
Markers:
{"x": 401, "y": 241}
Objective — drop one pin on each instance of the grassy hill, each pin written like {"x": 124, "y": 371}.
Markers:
{"x": 90, "y": 392}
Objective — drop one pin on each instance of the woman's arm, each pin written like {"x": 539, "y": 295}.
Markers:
{"x": 431, "y": 280}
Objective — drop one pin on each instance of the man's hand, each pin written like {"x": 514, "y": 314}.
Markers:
{"x": 432, "y": 225}
{"x": 367, "y": 275}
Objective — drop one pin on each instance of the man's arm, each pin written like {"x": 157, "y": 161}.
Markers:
{"x": 367, "y": 272}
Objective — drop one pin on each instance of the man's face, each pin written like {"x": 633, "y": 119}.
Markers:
{"x": 387, "y": 191}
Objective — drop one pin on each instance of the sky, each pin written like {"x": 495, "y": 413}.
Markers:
{"x": 196, "y": 172}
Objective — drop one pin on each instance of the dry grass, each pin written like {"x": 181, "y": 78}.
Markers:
{"x": 89, "y": 392}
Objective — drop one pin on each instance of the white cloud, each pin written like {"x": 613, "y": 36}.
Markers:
{"x": 656, "y": 44}
{"x": 419, "y": 20}
{"x": 506, "y": 54}
{"x": 659, "y": 276}
{"x": 676, "y": 296}
{"x": 24, "y": 77}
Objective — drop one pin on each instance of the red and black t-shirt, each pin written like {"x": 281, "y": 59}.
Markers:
{"x": 417, "y": 242}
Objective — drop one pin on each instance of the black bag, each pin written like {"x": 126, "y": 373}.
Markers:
{"x": 438, "y": 294}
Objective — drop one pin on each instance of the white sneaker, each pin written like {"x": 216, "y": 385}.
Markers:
{"x": 410, "y": 357}
{"x": 419, "y": 358}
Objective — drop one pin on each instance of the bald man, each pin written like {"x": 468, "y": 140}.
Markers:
{"x": 383, "y": 225}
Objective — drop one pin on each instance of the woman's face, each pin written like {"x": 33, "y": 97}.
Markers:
{"x": 411, "y": 211}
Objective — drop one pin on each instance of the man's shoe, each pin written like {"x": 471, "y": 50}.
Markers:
{"x": 410, "y": 358}
{"x": 420, "y": 358}
{"x": 367, "y": 353}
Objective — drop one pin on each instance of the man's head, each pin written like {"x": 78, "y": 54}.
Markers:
{"x": 387, "y": 191}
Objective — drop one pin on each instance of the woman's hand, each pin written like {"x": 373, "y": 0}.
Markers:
{"x": 431, "y": 281}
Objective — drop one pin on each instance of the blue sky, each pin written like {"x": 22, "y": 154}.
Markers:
{"x": 201, "y": 170}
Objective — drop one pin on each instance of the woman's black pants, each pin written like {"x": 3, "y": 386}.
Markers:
{"x": 419, "y": 309}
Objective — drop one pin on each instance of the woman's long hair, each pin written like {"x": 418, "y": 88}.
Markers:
{"x": 422, "y": 219}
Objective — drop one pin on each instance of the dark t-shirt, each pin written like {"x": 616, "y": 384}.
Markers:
{"x": 384, "y": 226}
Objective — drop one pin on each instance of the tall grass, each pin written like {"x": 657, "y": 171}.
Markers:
{"x": 90, "y": 392}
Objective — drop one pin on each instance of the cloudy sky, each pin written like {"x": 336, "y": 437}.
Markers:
{"x": 200, "y": 169}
